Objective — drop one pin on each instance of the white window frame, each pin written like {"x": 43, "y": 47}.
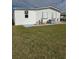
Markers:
{"x": 44, "y": 15}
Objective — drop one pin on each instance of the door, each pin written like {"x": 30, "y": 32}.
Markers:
{"x": 44, "y": 17}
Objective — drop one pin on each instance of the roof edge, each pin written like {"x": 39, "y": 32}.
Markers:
{"x": 39, "y": 8}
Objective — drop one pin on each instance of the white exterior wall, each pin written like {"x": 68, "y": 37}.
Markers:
{"x": 34, "y": 16}
{"x": 52, "y": 14}
{"x": 19, "y": 17}
{"x": 40, "y": 16}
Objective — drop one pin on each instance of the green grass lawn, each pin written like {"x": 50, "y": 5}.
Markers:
{"x": 44, "y": 42}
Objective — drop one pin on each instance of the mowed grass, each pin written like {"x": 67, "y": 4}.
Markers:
{"x": 44, "y": 42}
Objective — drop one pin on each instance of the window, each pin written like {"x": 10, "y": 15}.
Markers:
{"x": 45, "y": 15}
{"x": 26, "y": 14}
{"x": 52, "y": 15}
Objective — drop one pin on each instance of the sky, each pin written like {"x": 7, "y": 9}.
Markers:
{"x": 61, "y": 4}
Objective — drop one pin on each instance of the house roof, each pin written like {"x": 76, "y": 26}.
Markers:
{"x": 40, "y": 8}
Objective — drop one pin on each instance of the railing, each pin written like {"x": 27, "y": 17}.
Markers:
{"x": 50, "y": 21}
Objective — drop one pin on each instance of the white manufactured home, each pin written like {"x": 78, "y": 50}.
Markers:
{"x": 42, "y": 15}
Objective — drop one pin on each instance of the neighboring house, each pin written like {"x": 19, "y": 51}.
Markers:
{"x": 42, "y": 15}
{"x": 63, "y": 17}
